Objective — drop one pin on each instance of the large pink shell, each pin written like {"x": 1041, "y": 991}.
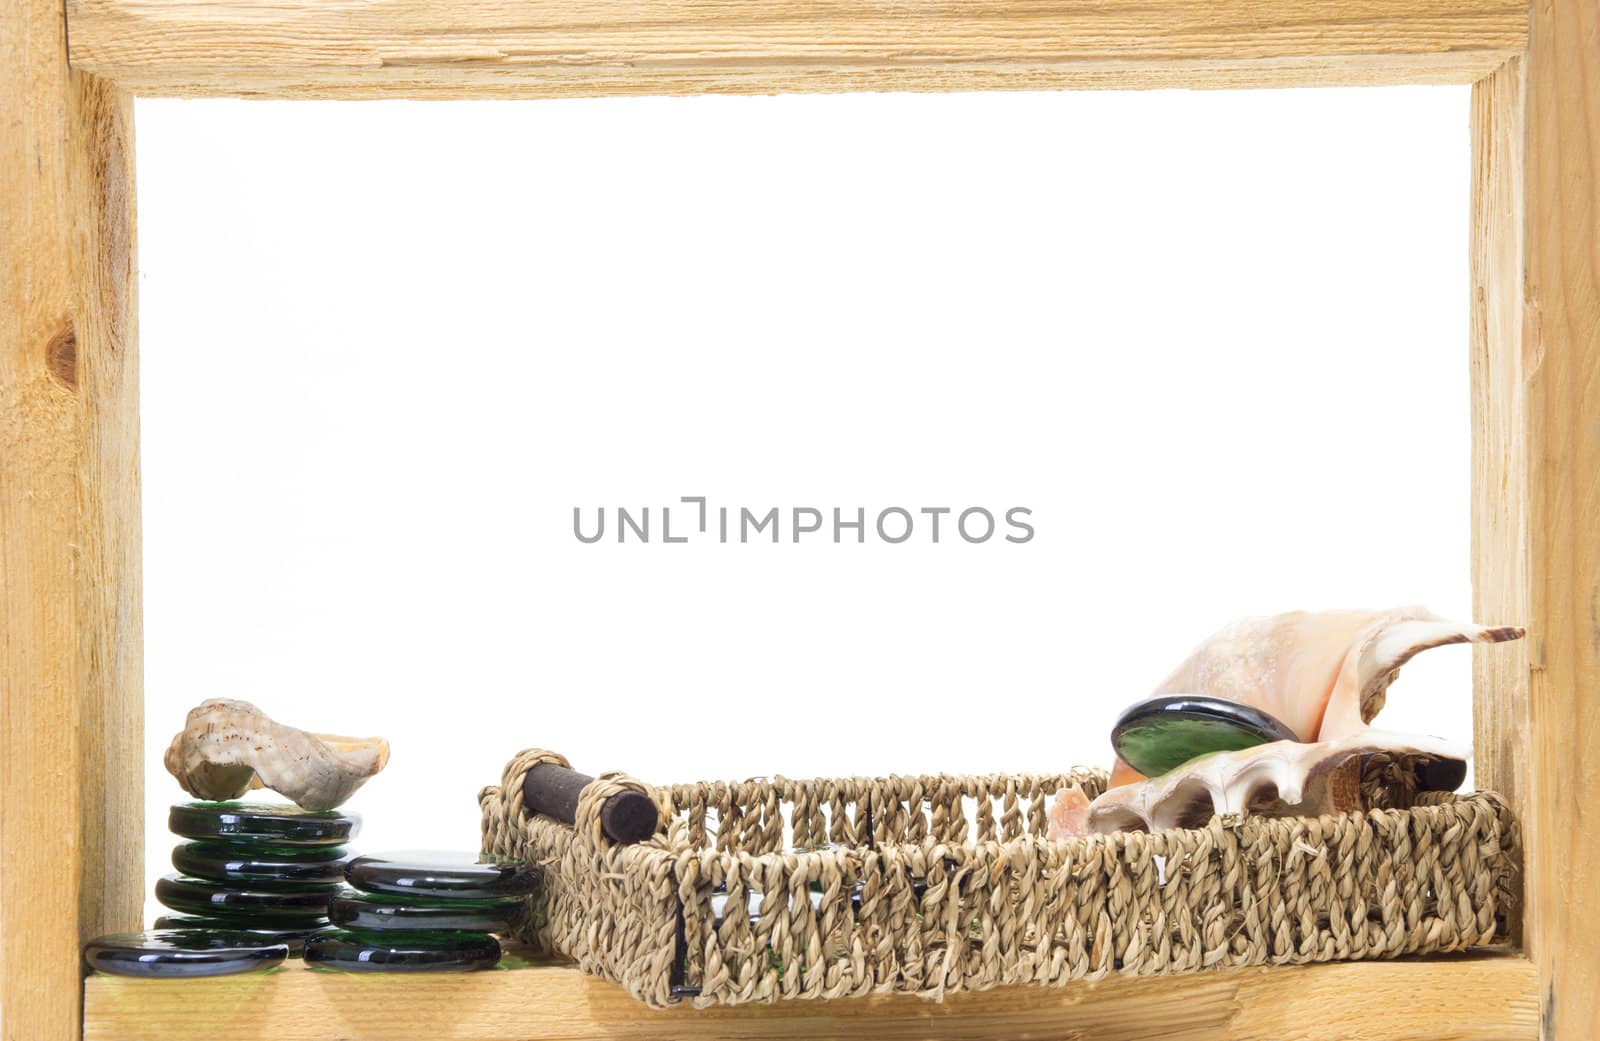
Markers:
{"x": 1323, "y": 673}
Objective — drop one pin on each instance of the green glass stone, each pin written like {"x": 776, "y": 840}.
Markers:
{"x": 264, "y": 866}
{"x": 204, "y": 897}
{"x": 403, "y": 952}
{"x": 383, "y": 912}
{"x": 182, "y": 953}
{"x": 462, "y": 876}
{"x": 264, "y": 823}
{"x": 292, "y": 934}
{"x": 1159, "y": 734}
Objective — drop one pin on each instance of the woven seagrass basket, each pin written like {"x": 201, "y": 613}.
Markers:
{"x": 932, "y": 885}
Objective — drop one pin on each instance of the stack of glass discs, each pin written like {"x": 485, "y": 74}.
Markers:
{"x": 266, "y": 870}
{"x": 422, "y": 912}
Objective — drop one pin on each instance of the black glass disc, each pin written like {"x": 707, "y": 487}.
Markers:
{"x": 204, "y": 897}
{"x": 403, "y": 952}
{"x": 461, "y": 875}
{"x": 292, "y": 934}
{"x": 287, "y": 865}
{"x": 1159, "y": 734}
{"x": 382, "y": 912}
{"x": 1440, "y": 775}
{"x": 178, "y": 953}
{"x": 264, "y": 823}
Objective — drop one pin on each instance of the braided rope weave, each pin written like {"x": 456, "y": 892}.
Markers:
{"x": 937, "y": 884}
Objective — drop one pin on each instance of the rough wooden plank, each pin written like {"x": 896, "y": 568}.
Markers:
{"x": 71, "y": 696}
{"x": 1536, "y": 364}
{"x": 1499, "y": 456}
{"x": 1474, "y": 997}
{"x": 549, "y": 48}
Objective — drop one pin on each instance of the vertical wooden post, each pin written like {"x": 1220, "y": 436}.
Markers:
{"x": 1536, "y": 495}
{"x": 71, "y": 668}
{"x": 1500, "y": 542}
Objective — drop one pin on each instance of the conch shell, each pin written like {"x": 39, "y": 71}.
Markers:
{"x": 1280, "y": 779}
{"x": 1325, "y": 675}
{"x": 226, "y": 748}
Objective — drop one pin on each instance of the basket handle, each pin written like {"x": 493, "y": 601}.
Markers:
{"x": 614, "y": 807}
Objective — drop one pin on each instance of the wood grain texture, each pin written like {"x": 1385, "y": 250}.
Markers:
{"x": 71, "y": 696}
{"x": 1536, "y": 366}
{"x": 551, "y": 48}
{"x": 1500, "y": 537}
{"x": 1464, "y": 997}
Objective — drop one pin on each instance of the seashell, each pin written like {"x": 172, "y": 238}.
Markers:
{"x": 228, "y": 747}
{"x": 1325, "y": 675}
{"x": 1069, "y": 814}
{"x": 1281, "y": 779}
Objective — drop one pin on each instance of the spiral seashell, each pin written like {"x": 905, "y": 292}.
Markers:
{"x": 1323, "y": 674}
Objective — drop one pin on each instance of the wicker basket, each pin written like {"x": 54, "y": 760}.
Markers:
{"x": 908, "y": 894}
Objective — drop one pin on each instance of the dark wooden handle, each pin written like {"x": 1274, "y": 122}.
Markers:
{"x": 552, "y": 790}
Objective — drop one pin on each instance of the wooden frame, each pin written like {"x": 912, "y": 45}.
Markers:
{"x": 70, "y": 648}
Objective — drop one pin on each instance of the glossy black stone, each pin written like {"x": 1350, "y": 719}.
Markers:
{"x": 1160, "y": 734}
{"x": 177, "y": 953}
{"x": 383, "y": 912}
{"x": 204, "y": 897}
{"x": 462, "y": 876}
{"x": 292, "y": 934}
{"x": 261, "y": 865}
{"x": 1440, "y": 775}
{"x": 403, "y": 952}
{"x": 264, "y": 823}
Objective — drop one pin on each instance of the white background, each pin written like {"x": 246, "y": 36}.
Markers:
{"x": 1216, "y": 342}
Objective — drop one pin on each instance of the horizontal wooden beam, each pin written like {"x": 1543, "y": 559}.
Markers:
{"x": 554, "y": 48}
{"x": 1486, "y": 996}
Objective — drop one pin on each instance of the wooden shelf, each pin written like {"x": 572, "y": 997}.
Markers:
{"x": 1488, "y": 996}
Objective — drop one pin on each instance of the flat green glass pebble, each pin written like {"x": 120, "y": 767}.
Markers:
{"x": 403, "y": 951}
{"x": 383, "y": 912}
{"x": 181, "y": 953}
{"x": 205, "y": 897}
{"x": 265, "y": 823}
{"x": 291, "y": 934}
{"x": 463, "y": 876}
{"x": 1160, "y": 734}
{"x": 261, "y": 865}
